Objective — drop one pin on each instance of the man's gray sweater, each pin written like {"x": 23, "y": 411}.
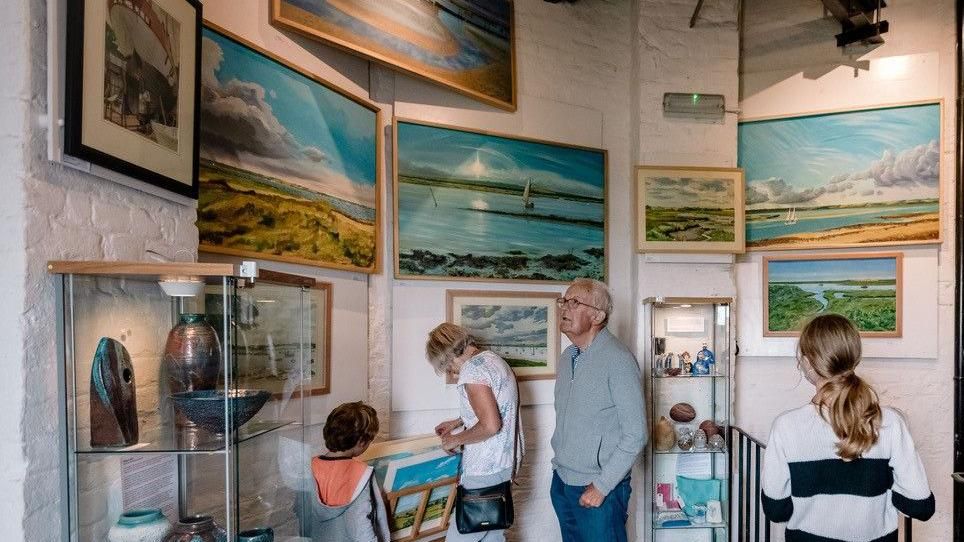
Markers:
{"x": 600, "y": 415}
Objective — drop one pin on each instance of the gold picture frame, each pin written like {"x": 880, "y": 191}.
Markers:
{"x": 856, "y": 285}
{"x": 689, "y": 209}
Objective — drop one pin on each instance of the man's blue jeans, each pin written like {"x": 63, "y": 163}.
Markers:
{"x": 578, "y": 524}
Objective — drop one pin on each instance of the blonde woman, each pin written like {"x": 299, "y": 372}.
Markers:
{"x": 842, "y": 466}
{"x": 488, "y": 399}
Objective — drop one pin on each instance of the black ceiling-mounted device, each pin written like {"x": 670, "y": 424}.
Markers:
{"x": 859, "y": 20}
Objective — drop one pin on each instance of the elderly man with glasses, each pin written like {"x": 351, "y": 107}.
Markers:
{"x": 600, "y": 420}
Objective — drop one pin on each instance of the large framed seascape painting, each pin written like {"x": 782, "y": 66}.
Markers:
{"x": 866, "y": 288}
{"x": 689, "y": 209}
{"x": 859, "y": 178}
{"x": 466, "y": 45}
{"x": 289, "y": 163}
{"x": 131, "y": 95}
{"x": 521, "y": 327}
{"x": 484, "y": 206}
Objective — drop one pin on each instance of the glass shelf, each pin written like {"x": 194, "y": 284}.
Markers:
{"x": 685, "y": 376}
{"x": 691, "y": 526}
{"x": 188, "y": 441}
{"x": 677, "y": 451}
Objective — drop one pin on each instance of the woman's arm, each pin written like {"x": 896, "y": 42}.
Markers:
{"x": 486, "y": 409}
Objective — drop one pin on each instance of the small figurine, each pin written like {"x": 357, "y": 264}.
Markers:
{"x": 686, "y": 362}
{"x": 699, "y": 439}
{"x": 706, "y": 355}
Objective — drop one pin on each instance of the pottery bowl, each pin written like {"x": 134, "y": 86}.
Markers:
{"x": 206, "y": 407}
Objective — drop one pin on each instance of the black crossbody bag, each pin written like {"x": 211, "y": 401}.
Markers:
{"x": 488, "y": 508}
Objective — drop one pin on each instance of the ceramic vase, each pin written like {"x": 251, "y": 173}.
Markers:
{"x": 145, "y": 525}
{"x": 664, "y": 435}
{"x": 192, "y": 357}
{"x": 113, "y": 397}
{"x": 196, "y": 529}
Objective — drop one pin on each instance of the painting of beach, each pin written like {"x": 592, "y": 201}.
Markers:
{"x": 681, "y": 209}
{"x": 483, "y": 206}
{"x": 521, "y": 327}
{"x": 864, "y": 288}
{"x": 847, "y": 179}
{"x": 288, "y": 164}
{"x": 466, "y": 45}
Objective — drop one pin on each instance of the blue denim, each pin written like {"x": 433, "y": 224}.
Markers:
{"x": 578, "y": 524}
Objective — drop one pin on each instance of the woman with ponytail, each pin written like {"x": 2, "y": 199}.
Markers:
{"x": 841, "y": 467}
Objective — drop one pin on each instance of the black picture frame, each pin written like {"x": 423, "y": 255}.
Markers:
{"x": 74, "y": 95}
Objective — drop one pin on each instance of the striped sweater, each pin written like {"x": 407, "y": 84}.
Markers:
{"x": 824, "y": 498}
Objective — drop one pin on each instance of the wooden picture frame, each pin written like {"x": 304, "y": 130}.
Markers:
{"x": 384, "y": 457}
{"x": 132, "y": 89}
{"x": 689, "y": 209}
{"x": 426, "y": 47}
{"x": 883, "y": 208}
{"x": 319, "y": 295}
{"x": 445, "y": 204}
{"x": 320, "y": 204}
{"x": 872, "y": 278}
{"x": 518, "y": 319}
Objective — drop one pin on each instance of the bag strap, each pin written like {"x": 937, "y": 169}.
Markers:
{"x": 517, "y": 437}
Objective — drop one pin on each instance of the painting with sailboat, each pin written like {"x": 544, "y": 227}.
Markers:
{"x": 489, "y": 206}
{"x": 845, "y": 179}
{"x": 863, "y": 287}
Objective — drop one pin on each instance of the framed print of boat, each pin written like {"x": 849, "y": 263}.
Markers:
{"x": 521, "y": 327}
{"x": 465, "y": 45}
{"x": 860, "y": 178}
{"x": 866, "y": 288}
{"x": 289, "y": 163}
{"x": 485, "y": 206}
{"x": 687, "y": 209}
{"x": 131, "y": 97}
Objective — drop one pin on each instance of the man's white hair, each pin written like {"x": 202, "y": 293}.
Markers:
{"x": 598, "y": 294}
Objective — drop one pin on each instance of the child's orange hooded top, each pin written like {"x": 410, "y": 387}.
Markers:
{"x": 338, "y": 479}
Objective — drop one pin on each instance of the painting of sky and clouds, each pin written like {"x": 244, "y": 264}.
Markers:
{"x": 487, "y": 206}
{"x": 518, "y": 334}
{"x": 288, "y": 165}
{"x": 685, "y": 209}
{"x": 857, "y": 178}
{"x": 864, "y": 289}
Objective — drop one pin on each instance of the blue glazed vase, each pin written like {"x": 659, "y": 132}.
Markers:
{"x": 144, "y": 525}
{"x": 263, "y": 534}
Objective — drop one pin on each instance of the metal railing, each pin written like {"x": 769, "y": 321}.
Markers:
{"x": 746, "y": 460}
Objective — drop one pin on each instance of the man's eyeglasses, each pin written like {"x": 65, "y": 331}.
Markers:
{"x": 571, "y": 303}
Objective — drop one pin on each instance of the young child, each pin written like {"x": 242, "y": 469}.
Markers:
{"x": 841, "y": 467}
{"x": 347, "y": 506}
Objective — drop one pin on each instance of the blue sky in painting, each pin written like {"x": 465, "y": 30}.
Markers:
{"x": 264, "y": 117}
{"x": 823, "y": 270}
{"x": 452, "y": 154}
{"x": 858, "y": 156}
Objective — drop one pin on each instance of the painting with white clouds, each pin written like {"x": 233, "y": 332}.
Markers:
{"x": 847, "y": 179}
{"x": 289, "y": 163}
{"x": 682, "y": 209}
{"x": 486, "y": 206}
{"x": 521, "y": 327}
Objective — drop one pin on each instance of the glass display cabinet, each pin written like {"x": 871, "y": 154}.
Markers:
{"x": 183, "y": 389}
{"x": 689, "y": 363}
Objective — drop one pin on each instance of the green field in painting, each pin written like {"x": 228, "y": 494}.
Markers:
{"x": 237, "y": 211}
{"x": 690, "y": 224}
{"x": 791, "y": 307}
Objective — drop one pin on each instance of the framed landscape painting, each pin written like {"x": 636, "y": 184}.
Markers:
{"x": 866, "y": 288}
{"x": 483, "y": 206}
{"x": 843, "y": 179}
{"x": 289, "y": 163}
{"x": 466, "y": 45}
{"x": 131, "y": 97}
{"x": 682, "y": 209}
{"x": 521, "y": 327}
{"x": 418, "y": 479}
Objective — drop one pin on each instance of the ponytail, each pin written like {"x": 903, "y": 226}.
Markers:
{"x": 852, "y": 409}
{"x": 830, "y": 344}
